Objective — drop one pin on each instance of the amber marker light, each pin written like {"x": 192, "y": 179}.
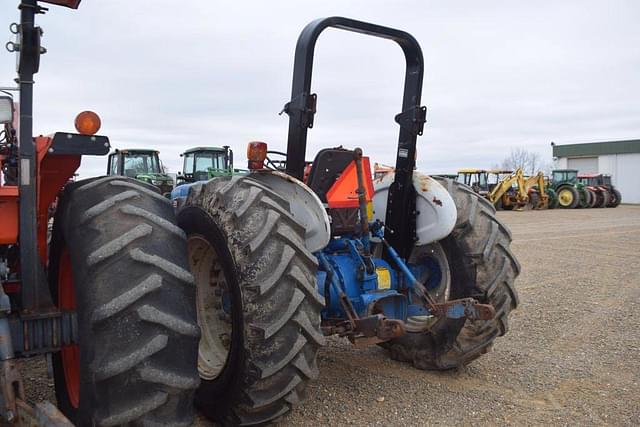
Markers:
{"x": 256, "y": 154}
{"x": 87, "y": 123}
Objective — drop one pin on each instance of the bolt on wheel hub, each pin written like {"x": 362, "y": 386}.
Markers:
{"x": 565, "y": 197}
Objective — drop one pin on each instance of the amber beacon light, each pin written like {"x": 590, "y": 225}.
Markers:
{"x": 87, "y": 123}
{"x": 256, "y": 154}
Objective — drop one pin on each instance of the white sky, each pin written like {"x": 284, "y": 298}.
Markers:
{"x": 499, "y": 74}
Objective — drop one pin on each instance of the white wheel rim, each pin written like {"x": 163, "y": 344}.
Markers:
{"x": 214, "y": 322}
{"x": 440, "y": 293}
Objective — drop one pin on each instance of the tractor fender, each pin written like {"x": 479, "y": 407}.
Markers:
{"x": 436, "y": 209}
{"x": 179, "y": 194}
{"x": 305, "y": 206}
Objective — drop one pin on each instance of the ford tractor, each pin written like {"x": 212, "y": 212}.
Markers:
{"x": 141, "y": 164}
{"x": 418, "y": 265}
{"x": 93, "y": 274}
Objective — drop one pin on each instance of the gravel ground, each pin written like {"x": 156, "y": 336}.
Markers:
{"x": 571, "y": 357}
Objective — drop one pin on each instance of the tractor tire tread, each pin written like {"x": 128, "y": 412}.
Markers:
{"x": 606, "y": 199}
{"x": 553, "y": 198}
{"x": 137, "y": 310}
{"x": 486, "y": 240}
{"x": 576, "y": 196}
{"x": 593, "y": 198}
{"x": 274, "y": 271}
{"x": 617, "y": 198}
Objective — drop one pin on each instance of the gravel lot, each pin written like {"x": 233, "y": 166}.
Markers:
{"x": 571, "y": 357}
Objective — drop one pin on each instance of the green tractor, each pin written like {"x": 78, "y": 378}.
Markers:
{"x": 571, "y": 192}
{"x": 141, "y": 164}
{"x": 203, "y": 163}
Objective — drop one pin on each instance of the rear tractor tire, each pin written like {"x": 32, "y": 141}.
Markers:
{"x": 616, "y": 198}
{"x": 478, "y": 263}
{"x": 593, "y": 198}
{"x": 606, "y": 199}
{"x": 258, "y": 307}
{"x": 119, "y": 260}
{"x": 599, "y": 202}
{"x": 568, "y": 197}
{"x": 585, "y": 198}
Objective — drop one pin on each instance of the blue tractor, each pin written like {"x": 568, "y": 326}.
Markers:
{"x": 284, "y": 256}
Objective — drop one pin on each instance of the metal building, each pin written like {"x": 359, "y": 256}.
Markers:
{"x": 620, "y": 159}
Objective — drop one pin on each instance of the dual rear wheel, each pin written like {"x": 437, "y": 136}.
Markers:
{"x": 593, "y": 198}
{"x": 586, "y": 197}
{"x": 603, "y": 199}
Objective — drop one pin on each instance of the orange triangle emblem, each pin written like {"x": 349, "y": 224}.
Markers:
{"x": 343, "y": 193}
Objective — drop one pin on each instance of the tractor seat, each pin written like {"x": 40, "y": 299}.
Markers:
{"x": 325, "y": 170}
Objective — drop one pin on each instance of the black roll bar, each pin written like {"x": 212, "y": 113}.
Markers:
{"x": 400, "y": 227}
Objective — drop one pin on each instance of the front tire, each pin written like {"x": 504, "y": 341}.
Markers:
{"x": 119, "y": 260}
{"x": 553, "y": 198}
{"x": 243, "y": 240}
{"x": 481, "y": 265}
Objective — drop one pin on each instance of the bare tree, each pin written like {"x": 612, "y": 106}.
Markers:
{"x": 529, "y": 161}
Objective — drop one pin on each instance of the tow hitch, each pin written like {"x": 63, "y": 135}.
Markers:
{"x": 465, "y": 307}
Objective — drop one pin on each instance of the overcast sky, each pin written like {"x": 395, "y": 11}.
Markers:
{"x": 499, "y": 74}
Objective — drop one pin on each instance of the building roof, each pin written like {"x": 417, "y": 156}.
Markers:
{"x": 597, "y": 148}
